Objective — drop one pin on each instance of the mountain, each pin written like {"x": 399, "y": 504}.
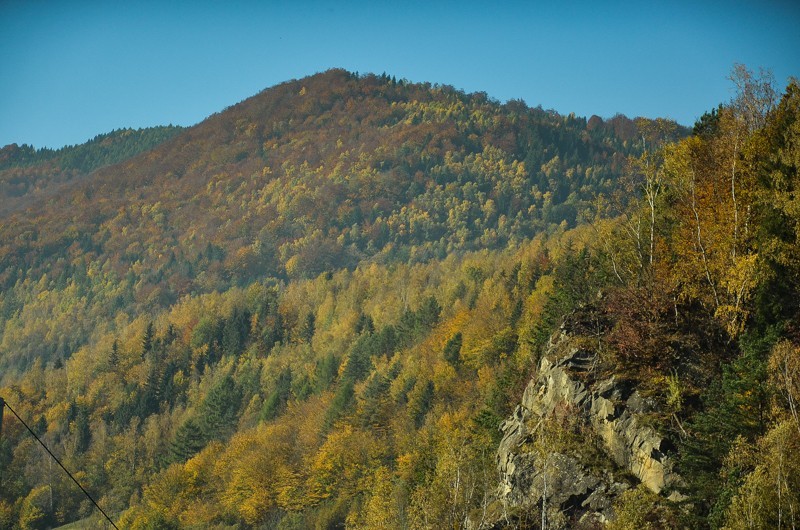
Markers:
{"x": 356, "y": 302}
{"x": 25, "y": 171}
{"x": 309, "y": 176}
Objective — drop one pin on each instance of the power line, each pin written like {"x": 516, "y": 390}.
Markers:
{"x": 5, "y": 403}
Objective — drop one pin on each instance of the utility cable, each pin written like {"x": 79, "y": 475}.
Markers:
{"x": 60, "y": 464}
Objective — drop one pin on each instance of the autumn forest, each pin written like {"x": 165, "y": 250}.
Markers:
{"x": 318, "y": 307}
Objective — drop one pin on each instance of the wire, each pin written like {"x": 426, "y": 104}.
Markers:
{"x": 60, "y": 464}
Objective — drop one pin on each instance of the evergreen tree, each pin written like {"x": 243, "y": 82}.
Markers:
{"x": 452, "y": 350}
{"x": 364, "y": 324}
{"x": 219, "y": 411}
{"x": 113, "y": 358}
{"x": 147, "y": 339}
{"x": 734, "y": 406}
{"x": 373, "y": 400}
{"x": 276, "y": 402}
{"x": 188, "y": 441}
{"x": 234, "y": 332}
{"x": 82, "y": 430}
{"x": 308, "y": 328}
{"x": 359, "y": 361}
{"x": 342, "y": 401}
{"x": 325, "y": 372}
{"x": 421, "y": 402}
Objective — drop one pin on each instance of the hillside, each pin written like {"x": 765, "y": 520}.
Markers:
{"x": 317, "y": 308}
{"x": 26, "y": 172}
{"x": 306, "y": 177}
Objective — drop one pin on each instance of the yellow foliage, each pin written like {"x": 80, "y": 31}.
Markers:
{"x": 171, "y": 493}
{"x": 343, "y": 464}
{"x": 381, "y": 511}
{"x": 770, "y": 493}
{"x": 253, "y": 470}
{"x": 739, "y": 281}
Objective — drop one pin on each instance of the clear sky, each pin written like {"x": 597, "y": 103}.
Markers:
{"x": 72, "y": 70}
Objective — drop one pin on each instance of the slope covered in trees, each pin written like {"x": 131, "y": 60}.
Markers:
{"x": 25, "y": 171}
{"x": 306, "y": 177}
{"x": 314, "y": 309}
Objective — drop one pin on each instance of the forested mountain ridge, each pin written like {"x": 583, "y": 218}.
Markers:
{"x": 315, "y": 312}
{"x": 25, "y": 171}
{"x": 308, "y": 176}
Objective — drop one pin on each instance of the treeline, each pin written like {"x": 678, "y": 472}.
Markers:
{"x": 102, "y": 150}
{"x": 26, "y": 171}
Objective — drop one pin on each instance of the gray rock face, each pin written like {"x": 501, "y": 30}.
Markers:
{"x": 610, "y": 415}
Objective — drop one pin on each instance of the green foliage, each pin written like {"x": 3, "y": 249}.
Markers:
{"x": 414, "y": 324}
{"x": 373, "y": 402}
{"x": 277, "y": 399}
{"x": 188, "y": 441}
{"x": 235, "y": 332}
{"x": 102, "y": 150}
{"x": 325, "y": 372}
{"x": 428, "y": 315}
{"x": 708, "y": 124}
{"x": 342, "y": 401}
{"x": 574, "y": 282}
{"x": 307, "y": 330}
{"x": 219, "y": 410}
{"x": 364, "y": 324}
{"x": 147, "y": 339}
{"x": 359, "y": 362}
{"x": 452, "y": 350}
{"x": 734, "y": 406}
{"x": 26, "y": 172}
{"x": 420, "y": 401}
{"x": 81, "y": 430}
{"x": 779, "y": 170}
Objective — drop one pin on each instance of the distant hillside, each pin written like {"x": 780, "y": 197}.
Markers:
{"x": 26, "y": 171}
{"x": 308, "y": 176}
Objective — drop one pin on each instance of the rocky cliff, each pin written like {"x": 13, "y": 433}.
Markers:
{"x": 577, "y": 441}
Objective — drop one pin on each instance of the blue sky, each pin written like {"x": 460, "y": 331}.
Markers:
{"x": 72, "y": 70}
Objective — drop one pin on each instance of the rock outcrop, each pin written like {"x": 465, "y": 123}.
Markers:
{"x": 611, "y": 449}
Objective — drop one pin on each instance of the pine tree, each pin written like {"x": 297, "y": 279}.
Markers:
{"x": 277, "y": 400}
{"x": 341, "y": 402}
{"x": 113, "y": 358}
{"x": 421, "y": 402}
{"x": 188, "y": 441}
{"x": 220, "y": 408}
{"x": 147, "y": 339}
{"x": 364, "y": 324}
{"x": 325, "y": 372}
{"x": 308, "y": 328}
{"x": 452, "y": 350}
